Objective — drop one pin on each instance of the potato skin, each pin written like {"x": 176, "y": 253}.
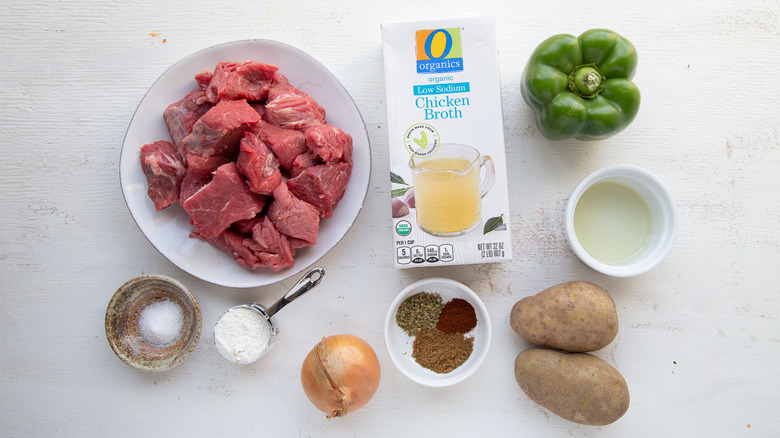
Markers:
{"x": 576, "y": 386}
{"x": 576, "y": 316}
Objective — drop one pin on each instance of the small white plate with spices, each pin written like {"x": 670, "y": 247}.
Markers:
{"x": 400, "y": 345}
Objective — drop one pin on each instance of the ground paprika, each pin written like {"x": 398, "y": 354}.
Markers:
{"x": 457, "y": 316}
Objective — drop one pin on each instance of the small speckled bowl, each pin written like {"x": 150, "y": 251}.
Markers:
{"x": 124, "y": 334}
{"x": 400, "y": 345}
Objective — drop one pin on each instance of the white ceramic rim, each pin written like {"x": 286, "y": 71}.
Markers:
{"x": 663, "y": 244}
{"x": 473, "y": 362}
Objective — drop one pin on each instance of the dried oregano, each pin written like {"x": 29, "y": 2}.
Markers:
{"x": 419, "y": 312}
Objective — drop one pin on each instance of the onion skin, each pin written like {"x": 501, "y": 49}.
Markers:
{"x": 340, "y": 374}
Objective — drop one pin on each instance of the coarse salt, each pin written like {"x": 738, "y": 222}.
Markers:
{"x": 161, "y": 322}
{"x": 242, "y": 335}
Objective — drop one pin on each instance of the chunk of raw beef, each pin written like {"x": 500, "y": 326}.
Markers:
{"x": 233, "y": 243}
{"x": 286, "y": 144}
{"x": 181, "y": 116}
{"x": 291, "y": 108}
{"x": 271, "y": 246}
{"x": 244, "y": 226}
{"x": 303, "y": 161}
{"x": 322, "y": 186}
{"x": 203, "y": 79}
{"x": 294, "y": 217}
{"x": 219, "y": 130}
{"x": 224, "y": 200}
{"x": 259, "y": 166}
{"x": 204, "y": 167}
{"x": 329, "y": 143}
{"x": 190, "y": 185}
{"x": 199, "y": 172}
{"x": 259, "y": 107}
{"x": 296, "y": 244}
{"x": 164, "y": 172}
{"x": 248, "y": 80}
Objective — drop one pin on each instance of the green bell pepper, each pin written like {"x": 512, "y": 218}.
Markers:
{"x": 581, "y": 86}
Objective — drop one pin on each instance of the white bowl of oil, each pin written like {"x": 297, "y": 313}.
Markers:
{"x": 621, "y": 221}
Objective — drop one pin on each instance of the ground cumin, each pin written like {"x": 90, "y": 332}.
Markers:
{"x": 441, "y": 352}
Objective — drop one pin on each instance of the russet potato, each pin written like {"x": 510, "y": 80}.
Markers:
{"x": 579, "y": 387}
{"x": 576, "y": 316}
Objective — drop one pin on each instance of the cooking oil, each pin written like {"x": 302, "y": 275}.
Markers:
{"x": 612, "y": 222}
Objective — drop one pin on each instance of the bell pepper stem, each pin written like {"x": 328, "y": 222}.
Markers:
{"x": 586, "y": 81}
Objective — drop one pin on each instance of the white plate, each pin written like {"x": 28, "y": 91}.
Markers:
{"x": 169, "y": 230}
{"x": 400, "y": 345}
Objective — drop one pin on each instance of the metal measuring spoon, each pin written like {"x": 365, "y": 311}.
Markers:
{"x": 265, "y": 331}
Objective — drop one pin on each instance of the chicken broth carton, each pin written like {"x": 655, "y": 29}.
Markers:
{"x": 450, "y": 201}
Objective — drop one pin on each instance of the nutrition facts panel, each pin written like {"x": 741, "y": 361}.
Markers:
{"x": 425, "y": 254}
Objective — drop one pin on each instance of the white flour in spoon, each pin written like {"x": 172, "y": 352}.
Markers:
{"x": 242, "y": 335}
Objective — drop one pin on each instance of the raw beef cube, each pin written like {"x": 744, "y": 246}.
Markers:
{"x": 248, "y": 80}
{"x": 181, "y": 116}
{"x": 296, "y": 244}
{"x": 203, "y": 79}
{"x": 321, "y": 186}
{"x": 204, "y": 167}
{"x": 224, "y": 200}
{"x": 258, "y": 165}
{"x": 244, "y": 226}
{"x": 279, "y": 80}
{"x": 303, "y": 161}
{"x": 259, "y": 107}
{"x": 190, "y": 185}
{"x": 270, "y": 245}
{"x": 294, "y": 217}
{"x": 164, "y": 172}
{"x": 286, "y": 144}
{"x": 199, "y": 172}
{"x": 291, "y": 108}
{"x": 233, "y": 243}
{"x": 329, "y": 143}
{"x": 219, "y": 130}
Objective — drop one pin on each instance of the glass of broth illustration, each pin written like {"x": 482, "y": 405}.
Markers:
{"x": 449, "y": 187}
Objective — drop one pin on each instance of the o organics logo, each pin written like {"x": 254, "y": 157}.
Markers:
{"x": 439, "y": 50}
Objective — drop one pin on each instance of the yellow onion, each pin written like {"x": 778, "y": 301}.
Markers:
{"x": 340, "y": 374}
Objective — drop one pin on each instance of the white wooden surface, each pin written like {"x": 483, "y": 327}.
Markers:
{"x": 699, "y": 335}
